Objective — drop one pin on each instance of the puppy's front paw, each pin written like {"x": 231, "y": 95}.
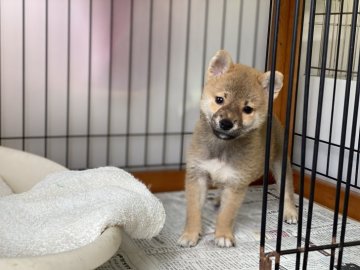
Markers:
{"x": 225, "y": 241}
{"x": 188, "y": 239}
{"x": 290, "y": 214}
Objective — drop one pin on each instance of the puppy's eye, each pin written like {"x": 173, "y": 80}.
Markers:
{"x": 219, "y": 100}
{"x": 247, "y": 109}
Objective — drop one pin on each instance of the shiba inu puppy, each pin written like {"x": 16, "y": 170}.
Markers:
{"x": 228, "y": 146}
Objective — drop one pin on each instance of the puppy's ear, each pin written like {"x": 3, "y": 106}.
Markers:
{"x": 264, "y": 80}
{"x": 219, "y": 64}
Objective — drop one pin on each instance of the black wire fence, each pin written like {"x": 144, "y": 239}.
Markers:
{"x": 338, "y": 30}
{"x": 326, "y": 133}
{"x": 89, "y": 83}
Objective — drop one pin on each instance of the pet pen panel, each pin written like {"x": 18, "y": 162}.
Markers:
{"x": 334, "y": 92}
{"x": 89, "y": 83}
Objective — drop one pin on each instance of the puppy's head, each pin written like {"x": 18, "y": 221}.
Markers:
{"x": 235, "y": 97}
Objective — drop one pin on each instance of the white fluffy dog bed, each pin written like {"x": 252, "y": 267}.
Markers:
{"x": 21, "y": 171}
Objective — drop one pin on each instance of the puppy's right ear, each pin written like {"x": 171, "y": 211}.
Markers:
{"x": 219, "y": 64}
{"x": 264, "y": 80}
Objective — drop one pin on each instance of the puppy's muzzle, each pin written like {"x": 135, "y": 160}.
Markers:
{"x": 224, "y": 129}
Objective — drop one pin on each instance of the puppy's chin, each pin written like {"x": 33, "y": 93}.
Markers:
{"x": 224, "y": 136}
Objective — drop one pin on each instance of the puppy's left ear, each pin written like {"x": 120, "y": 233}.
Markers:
{"x": 219, "y": 64}
{"x": 264, "y": 80}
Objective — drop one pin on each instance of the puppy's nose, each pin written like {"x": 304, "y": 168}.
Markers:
{"x": 225, "y": 124}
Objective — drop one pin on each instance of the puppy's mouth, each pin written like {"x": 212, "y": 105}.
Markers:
{"x": 224, "y": 132}
{"x": 224, "y": 135}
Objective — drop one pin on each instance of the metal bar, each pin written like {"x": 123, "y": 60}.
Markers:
{"x": 183, "y": 120}
{"x": 68, "y": 86}
{"x": 88, "y": 129}
{"x": 167, "y": 166}
{"x": 301, "y": 182}
{"x": 46, "y": 78}
{"x": 98, "y": 135}
{"x": 304, "y": 123}
{"x": 223, "y": 24}
{"x": 256, "y": 31}
{"x": 167, "y": 83}
{"x": 335, "y": 80}
{"x": 321, "y": 39}
{"x": 206, "y": 16}
{"x": 353, "y": 131}
{"x": 332, "y": 41}
{"x": 297, "y": 79}
{"x": 336, "y": 13}
{"x": 268, "y": 34}
{"x": 349, "y": 172}
{"x": 148, "y": 96}
{"x": 23, "y": 77}
{"x": 327, "y": 176}
{"x": 317, "y": 133}
{"x": 287, "y": 130}
{"x": 109, "y": 115}
{"x": 357, "y": 161}
{"x": 356, "y": 51}
{"x": 0, "y": 80}
{"x": 268, "y": 129}
{"x": 129, "y": 87}
{"x": 343, "y": 133}
{"x": 345, "y": 35}
{"x": 333, "y": 69}
{"x": 357, "y": 152}
{"x": 326, "y": 142}
{"x": 142, "y": 167}
{"x": 313, "y": 248}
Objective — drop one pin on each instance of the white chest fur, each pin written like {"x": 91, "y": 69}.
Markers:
{"x": 219, "y": 171}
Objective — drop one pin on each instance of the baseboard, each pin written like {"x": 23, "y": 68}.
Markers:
{"x": 325, "y": 194}
{"x": 174, "y": 180}
{"x": 162, "y": 181}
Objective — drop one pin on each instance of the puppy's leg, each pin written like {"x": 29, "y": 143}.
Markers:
{"x": 195, "y": 192}
{"x": 231, "y": 200}
{"x": 290, "y": 212}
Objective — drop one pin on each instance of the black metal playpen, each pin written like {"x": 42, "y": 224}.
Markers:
{"x": 90, "y": 83}
{"x": 337, "y": 53}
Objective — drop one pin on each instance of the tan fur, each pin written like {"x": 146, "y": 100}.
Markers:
{"x": 232, "y": 159}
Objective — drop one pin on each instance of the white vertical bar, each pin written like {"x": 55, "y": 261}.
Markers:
{"x": 158, "y": 66}
{"x": 176, "y": 76}
{"x": 57, "y": 67}
{"x": 139, "y": 65}
{"x": 232, "y": 27}
{"x": 79, "y": 62}
{"x": 100, "y": 57}
{"x": 100, "y": 66}
{"x": 247, "y": 33}
{"x": 11, "y": 68}
{"x": 57, "y": 78}
{"x": 260, "y": 45}
{"x": 214, "y": 27}
{"x": 120, "y": 70}
{"x": 35, "y": 77}
{"x": 194, "y": 70}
